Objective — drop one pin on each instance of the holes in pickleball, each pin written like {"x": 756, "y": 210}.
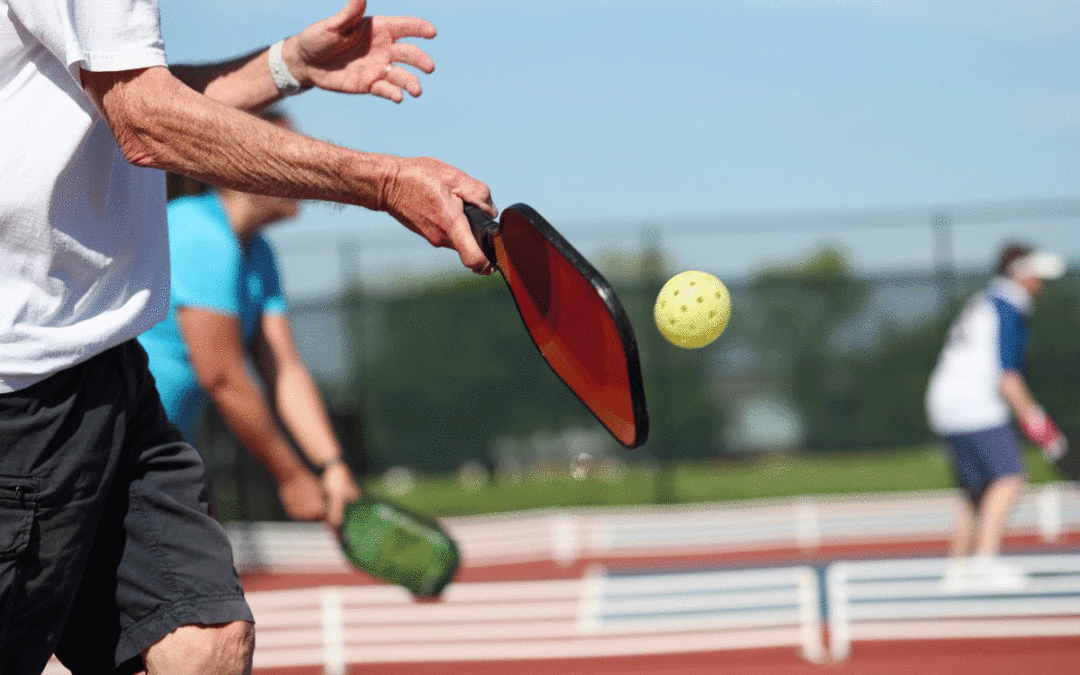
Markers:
{"x": 700, "y": 299}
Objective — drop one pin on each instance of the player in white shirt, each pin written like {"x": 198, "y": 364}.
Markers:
{"x": 108, "y": 556}
{"x": 978, "y": 387}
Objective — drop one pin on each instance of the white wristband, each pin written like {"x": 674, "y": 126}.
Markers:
{"x": 285, "y": 81}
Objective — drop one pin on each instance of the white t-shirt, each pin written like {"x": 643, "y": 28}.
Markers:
{"x": 83, "y": 243}
{"x": 989, "y": 337}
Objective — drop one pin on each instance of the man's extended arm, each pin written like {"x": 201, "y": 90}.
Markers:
{"x": 347, "y": 53}
{"x": 160, "y": 122}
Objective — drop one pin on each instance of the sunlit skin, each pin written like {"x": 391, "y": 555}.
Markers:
{"x": 249, "y": 213}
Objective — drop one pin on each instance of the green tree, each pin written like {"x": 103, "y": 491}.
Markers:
{"x": 799, "y": 318}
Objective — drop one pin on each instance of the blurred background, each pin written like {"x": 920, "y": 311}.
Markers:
{"x": 817, "y": 384}
{"x": 848, "y": 168}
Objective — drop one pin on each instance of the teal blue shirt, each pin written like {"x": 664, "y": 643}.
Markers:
{"x": 210, "y": 270}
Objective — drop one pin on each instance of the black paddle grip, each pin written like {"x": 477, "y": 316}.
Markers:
{"x": 484, "y": 228}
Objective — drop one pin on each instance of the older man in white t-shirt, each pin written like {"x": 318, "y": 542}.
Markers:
{"x": 107, "y": 555}
{"x": 978, "y": 386}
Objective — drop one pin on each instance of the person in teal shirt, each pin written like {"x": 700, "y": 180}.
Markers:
{"x": 242, "y": 281}
{"x": 226, "y": 306}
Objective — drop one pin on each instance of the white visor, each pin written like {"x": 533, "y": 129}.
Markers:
{"x": 1038, "y": 264}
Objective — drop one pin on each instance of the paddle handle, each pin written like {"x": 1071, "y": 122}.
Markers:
{"x": 485, "y": 229}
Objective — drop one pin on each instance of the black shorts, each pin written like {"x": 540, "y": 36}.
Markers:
{"x": 106, "y": 543}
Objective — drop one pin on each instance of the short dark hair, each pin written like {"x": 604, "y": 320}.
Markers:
{"x": 178, "y": 185}
{"x": 1009, "y": 254}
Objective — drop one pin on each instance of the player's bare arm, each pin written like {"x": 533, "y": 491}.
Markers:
{"x": 1017, "y": 394}
{"x": 348, "y": 52}
{"x": 301, "y": 409}
{"x": 217, "y": 358}
{"x": 159, "y": 122}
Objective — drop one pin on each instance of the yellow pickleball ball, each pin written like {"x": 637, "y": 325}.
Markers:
{"x": 692, "y": 309}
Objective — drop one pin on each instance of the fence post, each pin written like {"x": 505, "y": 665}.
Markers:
{"x": 837, "y": 608}
{"x": 565, "y": 544}
{"x": 813, "y": 647}
{"x": 592, "y": 590}
{"x": 1051, "y": 521}
{"x": 333, "y": 632}
{"x": 808, "y": 522}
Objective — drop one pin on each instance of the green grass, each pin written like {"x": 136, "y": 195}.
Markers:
{"x": 766, "y": 477}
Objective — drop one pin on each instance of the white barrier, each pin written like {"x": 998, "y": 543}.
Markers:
{"x": 594, "y": 616}
{"x": 1017, "y": 596}
{"x": 566, "y": 536}
{"x": 754, "y": 607}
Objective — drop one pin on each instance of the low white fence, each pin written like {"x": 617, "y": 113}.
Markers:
{"x": 921, "y": 599}
{"x": 597, "y": 615}
{"x": 720, "y": 609}
{"x": 566, "y": 536}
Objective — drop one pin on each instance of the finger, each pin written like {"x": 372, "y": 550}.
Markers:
{"x": 411, "y": 55}
{"x": 463, "y": 241}
{"x": 475, "y": 260}
{"x": 475, "y": 192}
{"x": 334, "y": 512}
{"x": 349, "y": 16}
{"x": 387, "y": 90}
{"x": 403, "y": 79}
{"x": 406, "y": 27}
{"x": 309, "y": 512}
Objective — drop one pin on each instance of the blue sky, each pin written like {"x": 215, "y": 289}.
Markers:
{"x": 612, "y": 116}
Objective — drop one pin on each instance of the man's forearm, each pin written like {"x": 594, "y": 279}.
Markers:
{"x": 243, "y": 82}
{"x": 161, "y": 123}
